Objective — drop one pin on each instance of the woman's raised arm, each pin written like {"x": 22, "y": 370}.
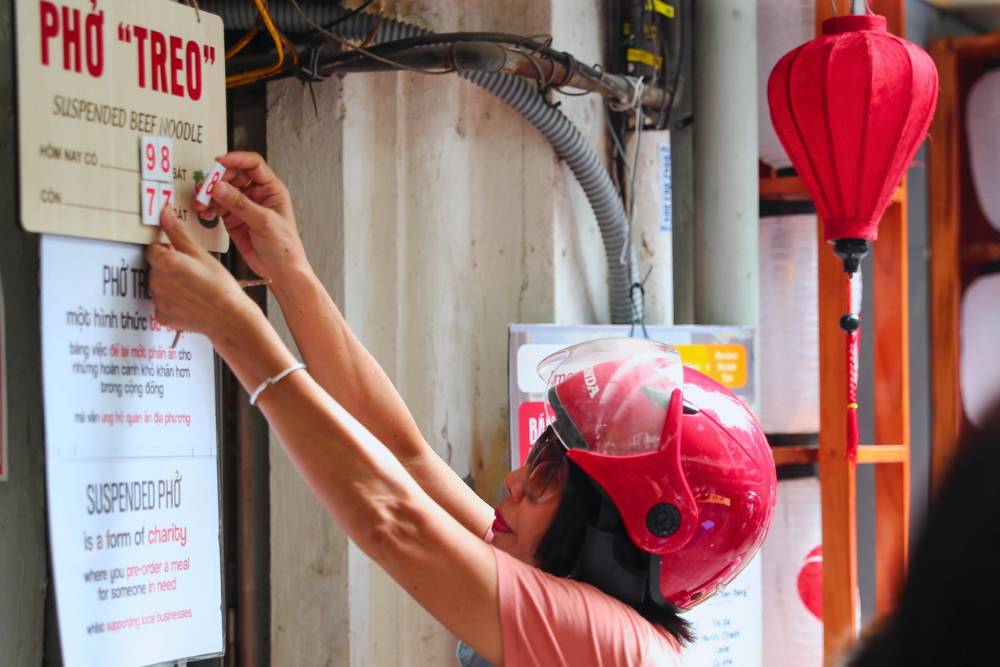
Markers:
{"x": 447, "y": 569}
{"x": 261, "y": 222}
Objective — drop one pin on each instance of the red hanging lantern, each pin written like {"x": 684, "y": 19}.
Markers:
{"x": 851, "y": 108}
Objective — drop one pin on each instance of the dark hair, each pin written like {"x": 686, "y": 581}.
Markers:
{"x": 947, "y": 611}
{"x": 559, "y": 550}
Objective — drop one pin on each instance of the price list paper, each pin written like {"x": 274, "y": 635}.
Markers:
{"x": 131, "y": 464}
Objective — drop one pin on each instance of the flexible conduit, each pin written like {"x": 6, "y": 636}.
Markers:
{"x": 567, "y": 141}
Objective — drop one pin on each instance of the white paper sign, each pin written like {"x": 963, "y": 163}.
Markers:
{"x": 131, "y": 459}
{"x": 728, "y": 626}
{"x": 793, "y": 577}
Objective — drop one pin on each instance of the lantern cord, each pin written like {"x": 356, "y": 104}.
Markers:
{"x": 853, "y": 335}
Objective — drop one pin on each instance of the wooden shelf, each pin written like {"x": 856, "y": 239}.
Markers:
{"x": 981, "y": 253}
{"x": 791, "y": 187}
{"x": 806, "y": 454}
{"x": 795, "y": 455}
{"x": 979, "y": 46}
{"x": 786, "y": 187}
{"x": 959, "y": 248}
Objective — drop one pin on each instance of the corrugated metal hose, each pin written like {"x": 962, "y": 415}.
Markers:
{"x": 567, "y": 141}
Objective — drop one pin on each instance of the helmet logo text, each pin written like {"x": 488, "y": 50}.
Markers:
{"x": 590, "y": 380}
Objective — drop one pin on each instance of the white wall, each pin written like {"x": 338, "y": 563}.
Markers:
{"x": 436, "y": 216}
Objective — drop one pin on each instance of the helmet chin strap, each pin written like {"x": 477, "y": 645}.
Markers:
{"x": 600, "y": 561}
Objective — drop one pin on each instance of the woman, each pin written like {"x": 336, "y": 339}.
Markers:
{"x": 608, "y": 530}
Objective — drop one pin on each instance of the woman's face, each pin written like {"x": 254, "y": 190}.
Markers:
{"x": 533, "y": 496}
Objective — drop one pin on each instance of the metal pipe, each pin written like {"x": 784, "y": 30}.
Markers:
{"x": 725, "y": 163}
{"x": 494, "y": 57}
{"x": 541, "y": 63}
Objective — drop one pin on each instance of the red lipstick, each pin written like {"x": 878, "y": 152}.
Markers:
{"x": 499, "y": 525}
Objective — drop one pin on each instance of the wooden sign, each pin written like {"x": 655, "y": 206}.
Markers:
{"x": 113, "y": 96}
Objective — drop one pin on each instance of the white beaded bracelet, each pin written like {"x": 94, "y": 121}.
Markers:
{"x": 274, "y": 380}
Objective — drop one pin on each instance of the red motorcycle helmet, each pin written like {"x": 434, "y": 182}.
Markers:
{"x": 680, "y": 457}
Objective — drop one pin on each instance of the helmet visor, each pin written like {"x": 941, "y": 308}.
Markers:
{"x": 611, "y": 395}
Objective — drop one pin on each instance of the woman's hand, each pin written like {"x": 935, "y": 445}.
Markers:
{"x": 257, "y": 211}
{"x": 191, "y": 290}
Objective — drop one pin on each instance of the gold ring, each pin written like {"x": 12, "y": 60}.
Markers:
{"x": 247, "y": 185}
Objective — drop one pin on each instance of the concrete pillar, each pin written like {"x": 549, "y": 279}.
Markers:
{"x": 725, "y": 162}
{"x": 309, "y": 582}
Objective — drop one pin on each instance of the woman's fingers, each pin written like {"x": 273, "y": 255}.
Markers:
{"x": 251, "y": 163}
{"x": 178, "y": 237}
{"x": 155, "y": 251}
{"x": 226, "y": 197}
{"x": 236, "y": 177}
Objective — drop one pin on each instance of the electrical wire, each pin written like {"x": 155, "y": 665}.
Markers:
{"x": 523, "y": 46}
{"x": 439, "y": 39}
{"x": 627, "y": 248}
{"x": 242, "y": 42}
{"x": 566, "y": 139}
{"x": 618, "y": 144}
{"x": 360, "y": 49}
{"x": 668, "y": 111}
{"x": 351, "y": 14}
{"x": 586, "y": 79}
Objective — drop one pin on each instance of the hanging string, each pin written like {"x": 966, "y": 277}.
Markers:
{"x": 637, "y": 101}
{"x": 641, "y": 289}
{"x": 197, "y": 10}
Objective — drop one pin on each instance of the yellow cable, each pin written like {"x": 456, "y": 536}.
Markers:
{"x": 244, "y": 78}
{"x": 243, "y": 41}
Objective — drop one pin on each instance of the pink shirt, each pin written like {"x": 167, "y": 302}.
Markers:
{"x": 549, "y": 621}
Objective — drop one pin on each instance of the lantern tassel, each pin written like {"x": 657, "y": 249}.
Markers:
{"x": 850, "y": 324}
{"x": 852, "y": 396}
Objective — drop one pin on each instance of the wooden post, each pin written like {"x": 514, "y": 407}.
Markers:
{"x": 837, "y": 477}
{"x": 838, "y": 480}
{"x": 890, "y": 327}
{"x": 944, "y": 239}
